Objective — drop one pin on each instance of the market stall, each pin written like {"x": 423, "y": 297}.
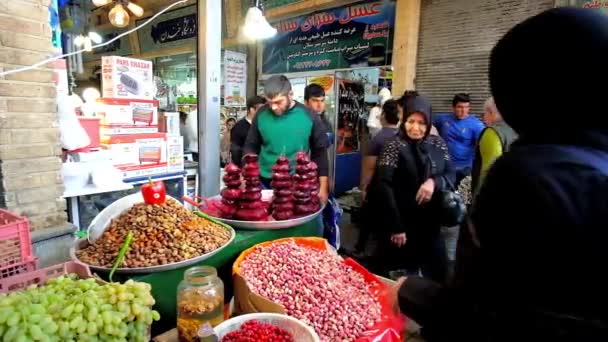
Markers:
{"x": 348, "y": 51}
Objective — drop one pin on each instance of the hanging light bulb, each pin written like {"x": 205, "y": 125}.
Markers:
{"x": 95, "y": 37}
{"x": 256, "y": 26}
{"x": 118, "y": 16}
{"x": 99, "y": 3}
{"x": 135, "y": 9}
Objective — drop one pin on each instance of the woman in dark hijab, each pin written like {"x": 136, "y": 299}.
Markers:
{"x": 538, "y": 225}
{"x": 411, "y": 172}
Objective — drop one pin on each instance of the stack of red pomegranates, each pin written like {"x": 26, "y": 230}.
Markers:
{"x": 232, "y": 192}
{"x": 306, "y": 183}
{"x": 251, "y": 207}
{"x": 282, "y": 204}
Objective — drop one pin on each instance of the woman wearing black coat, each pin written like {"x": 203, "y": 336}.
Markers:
{"x": 411, "y": 172}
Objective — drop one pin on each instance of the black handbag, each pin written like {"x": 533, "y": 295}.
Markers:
{"x": 452, "y": 206}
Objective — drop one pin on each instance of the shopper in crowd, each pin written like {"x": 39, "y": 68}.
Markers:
{"x": 461, "y": 132}
{"x": 542, "y": 209}
{"x": 225, "y": 142}
{"x": 241, "y": 128}
{"x": 390, "y": 126}
{"x": 494, "y": 140}
{"x": 191, "y": 137}
{"x": 314, "y": 99}
{"x": 373, "y": 121}
{"x": 412, "y": 171}
{"x": 285, "y": 126}
{"x": 403, "y": 99}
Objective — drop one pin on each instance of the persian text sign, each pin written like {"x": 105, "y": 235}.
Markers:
{"x": 358, "y": 35}
{"x": 235, "y": 78}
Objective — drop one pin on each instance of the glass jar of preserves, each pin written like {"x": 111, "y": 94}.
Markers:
{"x": 200, "y": 303}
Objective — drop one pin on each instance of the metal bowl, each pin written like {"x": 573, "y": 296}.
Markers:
{"x": 102, "y": 222}
{"x": 83, "y": 243}
{"x": 267, "y": 225}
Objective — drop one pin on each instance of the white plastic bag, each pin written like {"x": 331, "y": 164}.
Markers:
{"x": 73, "y": 135}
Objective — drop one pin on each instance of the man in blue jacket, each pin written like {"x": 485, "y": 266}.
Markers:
{"x": 460, "y": 132}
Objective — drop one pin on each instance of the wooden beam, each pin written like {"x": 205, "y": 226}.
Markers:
{"x": 405, "y": 45}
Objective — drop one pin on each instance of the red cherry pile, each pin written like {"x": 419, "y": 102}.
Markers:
{"x": 251, "y": 207}
{"x": 306, "y": 186}
{"x": 282, "y": 205}
{"x": 254, "y": 331}
{"x": 232, "y": 192}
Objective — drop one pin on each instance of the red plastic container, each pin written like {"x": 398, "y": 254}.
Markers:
{"x": 92, "y": 127}
{"x": 42, "y": 275}
{"x": 15, "y": 243}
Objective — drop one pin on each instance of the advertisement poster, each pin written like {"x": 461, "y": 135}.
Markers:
{"x": 235, "y": 78}
{"x": 350, "y": 108}
{"x": 171, "y": 29}
{"x": 356, "y": 35}
{"x": 597, "y": 4}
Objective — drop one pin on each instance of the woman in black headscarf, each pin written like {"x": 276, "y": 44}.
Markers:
{"x": 411, "y": 172}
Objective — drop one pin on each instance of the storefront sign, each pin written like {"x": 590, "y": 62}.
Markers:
{"x": 358, "y": 35}
{"x": 235, "y": 78}
{"x": 601, "y": 5}
{"x": 169, "y": 30}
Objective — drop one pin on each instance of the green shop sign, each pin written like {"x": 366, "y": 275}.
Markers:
{"x": 358, "y": 35}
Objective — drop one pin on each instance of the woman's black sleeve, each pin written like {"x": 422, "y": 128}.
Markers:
{"x": 385, "y": 171}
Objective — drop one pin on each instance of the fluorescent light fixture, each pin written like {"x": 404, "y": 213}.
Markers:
{"x": 101, "y": 2}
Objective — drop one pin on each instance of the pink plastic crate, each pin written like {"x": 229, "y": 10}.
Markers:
{"x": 15, "y": 243}
{"x": 41, "y": 276}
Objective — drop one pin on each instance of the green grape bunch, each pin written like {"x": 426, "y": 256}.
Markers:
{"x": 71, "y": 309}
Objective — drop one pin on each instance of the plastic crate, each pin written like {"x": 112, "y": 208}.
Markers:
{"x": 15, "y": 243}
{"x": 40, "y": 276}
{"x": 19, "y": 268}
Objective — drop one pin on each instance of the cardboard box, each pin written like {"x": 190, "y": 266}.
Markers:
{"x": 126, "y": 78}
{"x": 125, "y": 116}
{"x": 138, "y": 155}
{"x": 169, "y": 123}
{"x": 175, "y": 153}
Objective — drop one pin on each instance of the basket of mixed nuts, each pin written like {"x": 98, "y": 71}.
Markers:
{"x": 165, "y": 236}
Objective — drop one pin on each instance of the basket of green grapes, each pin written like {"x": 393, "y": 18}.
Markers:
{"x": 66, "y": 303}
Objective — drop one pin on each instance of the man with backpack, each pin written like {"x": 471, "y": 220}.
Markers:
{"x": 539, "y": 222}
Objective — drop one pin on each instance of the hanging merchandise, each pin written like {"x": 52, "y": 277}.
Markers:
{"x": 71, "y": 16}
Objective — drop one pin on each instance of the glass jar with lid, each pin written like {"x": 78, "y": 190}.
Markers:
{"x": 200, "y": 302}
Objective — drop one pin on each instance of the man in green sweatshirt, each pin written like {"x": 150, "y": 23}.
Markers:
{"x": 284, "y": 126}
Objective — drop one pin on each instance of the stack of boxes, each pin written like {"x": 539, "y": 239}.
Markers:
{"x": 130, "y": 121}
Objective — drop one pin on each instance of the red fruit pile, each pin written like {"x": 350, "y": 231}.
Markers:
{"x": 232, "y": 192}
{"x": 282, "y": 205}
{"x": 254, "y": 331}
{"x": 306, "y": 186}
{"x": 251, "y": 207}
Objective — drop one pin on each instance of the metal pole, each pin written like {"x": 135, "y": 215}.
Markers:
{"x": 209, "y": 27}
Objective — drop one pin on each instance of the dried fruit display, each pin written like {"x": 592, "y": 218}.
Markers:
{"x": 162, "y": 234}
{"x": 251, "y": 207}
{"x": 306, "y": 186}
{"x": 314, "y": 286}
{"x": 282, "y": 206}
{"x": 231, "y": 194}
{"x": 259, "y": 332}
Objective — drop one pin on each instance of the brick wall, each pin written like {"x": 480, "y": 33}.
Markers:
{"x": 456, "y": 37}
{"x": 30, "y": 166}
